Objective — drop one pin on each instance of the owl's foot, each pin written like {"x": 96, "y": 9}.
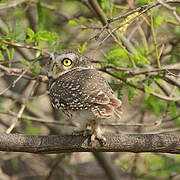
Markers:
{"x": 97, "y": 134}
{"x": 100, "y": 138}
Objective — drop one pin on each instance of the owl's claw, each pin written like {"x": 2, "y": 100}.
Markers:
{"x": 101, "y": 139}
{"x": 97, "y": 133}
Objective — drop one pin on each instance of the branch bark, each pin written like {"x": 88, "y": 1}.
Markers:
{"x": 164, "y": 143}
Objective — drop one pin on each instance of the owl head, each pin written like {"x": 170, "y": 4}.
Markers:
{"x": 65, "y": 61}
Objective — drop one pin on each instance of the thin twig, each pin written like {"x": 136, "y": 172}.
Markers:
{"x": 23, "y": 106}
{"x": 27, "y": 75}
{"x": 43, "y": 51}
{"x": 38, "y": 120}
{"x": 14, "y": 82}
{"x": 154, "y": 39}
{"x": 11, "y": 4}
{"x": 175, "y": 99}
{"x": 15, "y": 120}
{"x": 141, "y": 10}
{"x": 173, "y": 9}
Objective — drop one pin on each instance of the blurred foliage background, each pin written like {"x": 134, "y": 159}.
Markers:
{"x": 137, "y": 52}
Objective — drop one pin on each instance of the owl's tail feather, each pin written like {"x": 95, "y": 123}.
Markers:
{"x": 118, "y": 113}
{"x": 102, "y": 111}
{"x": 110, "y": 110}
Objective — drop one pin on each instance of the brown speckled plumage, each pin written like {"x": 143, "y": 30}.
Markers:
{"x": 80, "y": 88}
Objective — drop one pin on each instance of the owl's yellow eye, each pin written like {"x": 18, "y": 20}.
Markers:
{"x": 66, "y": 62}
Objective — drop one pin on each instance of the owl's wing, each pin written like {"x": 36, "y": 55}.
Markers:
{"x": 105, "y": 103}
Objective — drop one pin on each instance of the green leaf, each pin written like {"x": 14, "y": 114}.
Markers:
{"x": 4, "y": 46}
{"x": 72, "y": 22}
{"x": 161, "y": 166}
{"x": 139, "y": 58}
{"x": 25, "y": 63}
{"x": 159, "y": 20}
{"x": 141, "y": 2}
{"x": 154, "y": 104}
{"x": 36, "y": 68}
{"x": 173, "y": 109}
{"x": 118, "y": 57}
{"x": 46, "y": 36}
{"x": 131, "y": 93}
{"x": 1, "y": 56}
{"x": 158, "y": 80}
{"x": 10, "y": 33}
{"x": 30, "y": 36}
{"x": 106, "y": 5}
{"x": 81, "y": 48}
{"x": 148, "y": 90}
{"x": 9, "y": 56}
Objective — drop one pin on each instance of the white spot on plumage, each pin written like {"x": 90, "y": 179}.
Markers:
{"x": 62, "y": 105}
{"x": 100, "y": 93}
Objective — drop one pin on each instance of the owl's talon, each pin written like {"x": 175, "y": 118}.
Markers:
{"x": 103, "y": 140}
{"x": 100, "y": 138}
{"x": 97, "y": 133}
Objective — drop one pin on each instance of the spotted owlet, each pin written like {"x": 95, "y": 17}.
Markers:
{"x": 77, "y": 88}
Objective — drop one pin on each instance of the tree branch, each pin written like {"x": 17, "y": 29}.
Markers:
{"x": 142, "y": 9}
{"x": 164, "y": 143}
{"x": 11, "y": 4}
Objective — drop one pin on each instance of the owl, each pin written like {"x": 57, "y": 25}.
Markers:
{"x": 79, "y": 90}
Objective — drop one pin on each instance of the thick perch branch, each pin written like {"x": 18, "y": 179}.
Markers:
{"x": 164, "y": 143}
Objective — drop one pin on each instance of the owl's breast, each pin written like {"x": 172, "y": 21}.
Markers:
{"x": 57, "y": 95}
